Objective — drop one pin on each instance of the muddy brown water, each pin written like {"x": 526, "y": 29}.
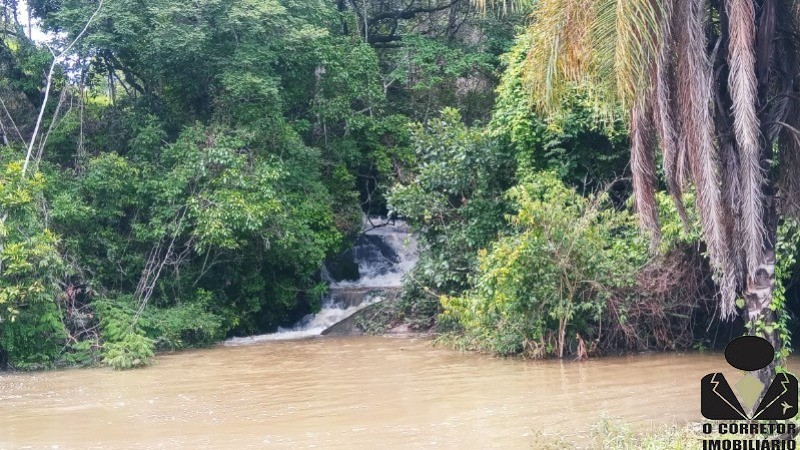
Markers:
{"x": 346, "y": 392}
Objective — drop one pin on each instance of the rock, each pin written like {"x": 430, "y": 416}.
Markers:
{"x": 343, "y": 267}
{"x": 400, "y": 329}
{"x": 353, "y": 325}
{"x": 349, "y": 326}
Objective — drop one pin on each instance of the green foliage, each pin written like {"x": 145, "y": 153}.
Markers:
{"x": 34, "y": 338}
{"x": 673, "y": 230}
{"x": 438, "y": 73}
{"x": 212, "y": 212}
{"x": 125, "y": 344}
{"x": 31, "y": 330}
{"x": 208, "y": 157}
{"x": 579, "y": 143}
{"x": 549, "y": 279}
{"x": 185, "y": 325}
{"x": 527, "y": 293}
{"x": 454, "y": 200}
{"x": 200, "y": 161}
{"x": 786, "y": 254}
{"x": 127, "y": 351}
{"x": 617, "y": 435}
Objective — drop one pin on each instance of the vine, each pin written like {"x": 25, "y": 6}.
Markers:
{"x": 786, "y": 252}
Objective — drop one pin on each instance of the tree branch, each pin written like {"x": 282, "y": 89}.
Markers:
{"x": 49, "y": 83}
{"x": 409, "y": 12}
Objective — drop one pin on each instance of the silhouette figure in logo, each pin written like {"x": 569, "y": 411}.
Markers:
{"x": 748, "y": 353}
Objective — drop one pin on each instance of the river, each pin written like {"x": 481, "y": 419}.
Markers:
{"x": 279, "y": 391}
{"x": 345, "y": 392}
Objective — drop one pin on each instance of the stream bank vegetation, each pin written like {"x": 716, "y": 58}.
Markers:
{"x": 614, "y": 434}
{"x": 611, "y": 434}
{"x": 174, "y": 174}
{"x": 710, "y": 89}
{"x": 531, "y": 243}
{"x": 187, "y": 170}
{"x": 706, "y": 89}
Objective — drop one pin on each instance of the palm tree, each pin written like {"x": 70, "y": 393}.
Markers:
{"x": 714, "y": 86}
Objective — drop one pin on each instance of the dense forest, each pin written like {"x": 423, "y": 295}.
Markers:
{"x": 174, "y": 173}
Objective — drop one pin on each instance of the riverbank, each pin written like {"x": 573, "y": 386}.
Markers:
{"x": 614, "y": 434}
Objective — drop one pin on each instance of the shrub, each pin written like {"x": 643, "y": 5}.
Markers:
{"x": 454, "y": 201}
{"x": 31, "y": 328}
{"x": 549, "y": 279}
{"x": 185, "y": 325}
{"x": 125, "y": 344}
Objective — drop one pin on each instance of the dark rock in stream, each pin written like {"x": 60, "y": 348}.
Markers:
{"x": 354, "y": 324}
{"x": 349, "y": 326}
{"x": 343, "y": 267}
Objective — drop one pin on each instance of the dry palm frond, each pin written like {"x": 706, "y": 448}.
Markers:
{"x": 788, "y": 180}
{"x": 743, "y": 90}
{"x": 643, "y": 166}
{"x": 731, "y": 188}
{"x": 695, "y": 97}
{"x": 663, "y": 114}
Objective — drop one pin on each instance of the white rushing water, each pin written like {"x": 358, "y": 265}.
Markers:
{"x": 385, "y": 253}
{"x": 311, "y": 325}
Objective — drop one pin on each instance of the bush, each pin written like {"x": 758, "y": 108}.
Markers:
{"x": 549, "y": 279}
{"x": 128, "y": 351}
{"x": 186, "y": 325}
{"x": 580, "y": 143}
{"x": 31, "y": 328}
{"x": 454, "y": 201}
{"x": 125, "y": 344}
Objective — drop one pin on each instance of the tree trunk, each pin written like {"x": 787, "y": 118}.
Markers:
{"x": 759, "y": 290}
{"x": 767, "y": 318}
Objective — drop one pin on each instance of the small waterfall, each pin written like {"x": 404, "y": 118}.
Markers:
{"x": 383, "y": 254}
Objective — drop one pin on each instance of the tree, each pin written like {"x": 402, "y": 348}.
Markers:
{"x": 714, "y": 85}
{"x": 384, "y": 23}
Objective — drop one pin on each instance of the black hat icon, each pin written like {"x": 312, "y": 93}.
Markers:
{"x": 749, "y": 353}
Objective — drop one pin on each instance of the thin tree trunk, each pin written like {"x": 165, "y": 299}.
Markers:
{"x": 2, "y": 241}
{"x": 760, "y": 282}
{"x": 759, "y": 291}
{"x": 4, "y": 133}
{"x": 50, "y": 82}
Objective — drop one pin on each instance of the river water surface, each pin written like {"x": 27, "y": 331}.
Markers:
{"x": 348, "y": 392}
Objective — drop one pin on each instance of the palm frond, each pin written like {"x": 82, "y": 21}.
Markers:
{"x": 605, "y": 46}
{"x": 560, "y": 49}
{"x": 638, "y": 33}
{"x": 789, "y": 156}
{"x": 695, "y": 97}
{"x": 743, "y": 88}
{"x": 663, "y": 114}
{"x": 643, "y": 167}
